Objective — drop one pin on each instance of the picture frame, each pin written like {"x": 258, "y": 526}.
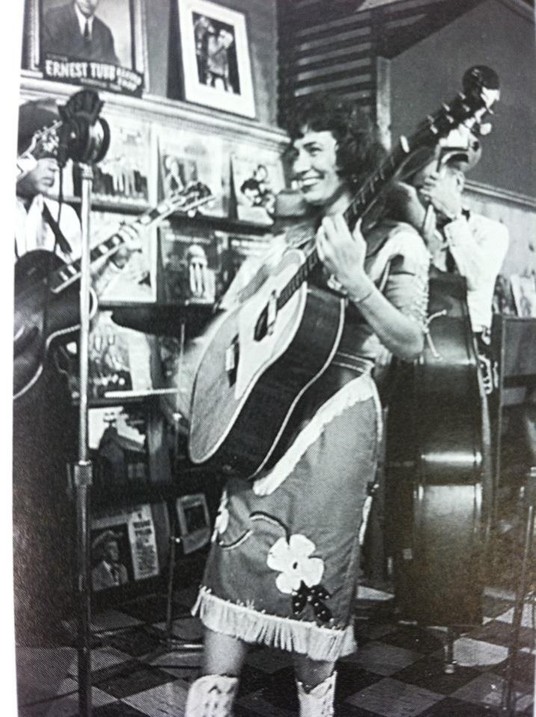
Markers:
{"x": 136, "y": 552}
{"x": 114, "y": 57}
{"x": 194, "y": 521}
{"x": 186, "y": 158}
{"x": 257, "y": 178}
{"x": 524, "y": 291}
{"x": 215, "y": 55}
{"x": 136, "y": 281}
{"x": 123, "y": 177}
{"x": 120, "y": 359}
{"x": 119, "y": 448}
{"x": 189, "y": 265}
{"x": 105, "y": 542}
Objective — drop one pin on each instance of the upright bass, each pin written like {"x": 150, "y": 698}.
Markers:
{"x": 439, "y": 486}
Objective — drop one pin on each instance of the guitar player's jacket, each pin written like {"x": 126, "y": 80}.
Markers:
{"x": 32, "y": 231}
{"x": 478, "y": 245}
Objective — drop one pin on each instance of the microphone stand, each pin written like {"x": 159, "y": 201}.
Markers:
{"x": 83, "y": 473}
{"x": 85, "y": 139}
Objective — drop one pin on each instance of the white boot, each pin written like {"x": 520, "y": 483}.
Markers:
{"x": 211, "y": 696}
{"x": 320, "y": 700}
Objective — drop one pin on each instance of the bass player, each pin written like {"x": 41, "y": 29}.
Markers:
{"x": 459, "y": 240}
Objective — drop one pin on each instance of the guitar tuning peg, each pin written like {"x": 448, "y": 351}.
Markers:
{"x": 485, "y": 128}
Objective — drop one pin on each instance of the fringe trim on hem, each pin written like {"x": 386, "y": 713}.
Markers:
{"x": 244, "y": 623}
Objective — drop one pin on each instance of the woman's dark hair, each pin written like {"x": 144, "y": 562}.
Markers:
{"x": 359, "y": 150}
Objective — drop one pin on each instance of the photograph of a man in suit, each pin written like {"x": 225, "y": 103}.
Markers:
{"x": 75, "y": 31}
{"x": 108, "y": 571}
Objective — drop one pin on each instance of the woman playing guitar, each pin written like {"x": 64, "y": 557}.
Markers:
{"x": 285, "y": 557}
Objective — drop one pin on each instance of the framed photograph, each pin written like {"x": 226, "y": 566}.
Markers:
{"x": 104, "y": 50}
{"x": 111, "y": 558}
{"x": 524, "y": 291}
{"x": 215, "y": 57}
{"x": 257, "y": 179}
{"x": 122, "y": 177}
{"x": 191, "y": 263}
{"x": 119, "y": 447}
{"x": 136, "y": 280}
{"x": 194, "y": 521}
{"x": 120, "y": 359}
{"x": 123, "y": 547}
{"x": 186, "y": 158}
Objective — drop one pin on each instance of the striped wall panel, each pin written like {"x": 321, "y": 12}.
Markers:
{"x": 333, "y": 45}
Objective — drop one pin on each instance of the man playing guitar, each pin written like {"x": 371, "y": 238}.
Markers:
{"x": 44, "y": 427}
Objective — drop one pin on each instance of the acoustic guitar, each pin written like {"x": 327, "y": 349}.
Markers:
{"x": 263, "y": 354}
{"x": 47, "y": 289}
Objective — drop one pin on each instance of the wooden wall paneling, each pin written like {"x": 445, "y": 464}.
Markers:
{"x": 324, "y": 52}
{"x": 325, "y": 44}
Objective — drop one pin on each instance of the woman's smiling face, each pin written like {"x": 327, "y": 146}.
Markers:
{"x": 314, "y": 167}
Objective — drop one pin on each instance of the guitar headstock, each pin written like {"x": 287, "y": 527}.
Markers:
{"x": 470, "y": 108}
{"x": 457, "y": 125}
{"x": 482, "y": 84}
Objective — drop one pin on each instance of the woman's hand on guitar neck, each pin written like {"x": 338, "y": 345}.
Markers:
{"x": 343, "y": 254}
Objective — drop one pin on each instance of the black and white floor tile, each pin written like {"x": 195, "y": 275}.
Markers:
{"x": 398, "y": 671}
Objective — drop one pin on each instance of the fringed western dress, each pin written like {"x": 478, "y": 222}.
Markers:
{"x": 284, "y": 559}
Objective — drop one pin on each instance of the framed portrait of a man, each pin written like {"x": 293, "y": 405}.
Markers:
{"x": 111, "y": 562}
{"x": 215, "y": 57}
{"x": 99, "y": 43}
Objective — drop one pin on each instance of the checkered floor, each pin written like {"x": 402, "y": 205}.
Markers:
{"x": 398, "y": 670}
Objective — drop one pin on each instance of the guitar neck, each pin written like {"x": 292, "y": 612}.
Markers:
{"x": 372, "y": 187}
{"x": 67, "y": 274}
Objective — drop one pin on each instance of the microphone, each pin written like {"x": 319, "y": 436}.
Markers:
{"x": 83, "y": 135}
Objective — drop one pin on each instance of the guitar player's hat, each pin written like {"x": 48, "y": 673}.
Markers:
{"x": 461, "y": 149}
{"x": 34, "y": 116}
